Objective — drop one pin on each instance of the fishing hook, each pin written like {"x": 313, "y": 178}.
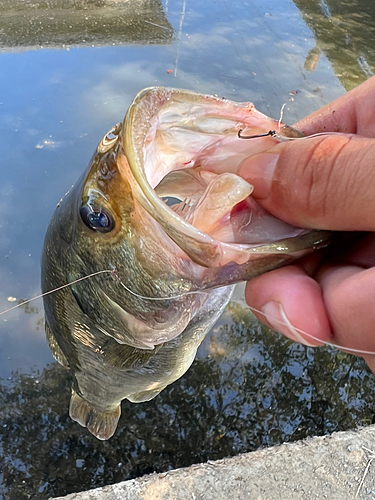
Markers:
{"x": 271, "y": 133}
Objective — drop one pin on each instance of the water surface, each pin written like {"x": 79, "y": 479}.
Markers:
{"x": 61, "y": 89}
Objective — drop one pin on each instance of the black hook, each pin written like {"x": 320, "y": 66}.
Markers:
{"x": 271, "y": 133}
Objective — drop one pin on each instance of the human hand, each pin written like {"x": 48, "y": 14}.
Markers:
{"x": 323, "y": 182}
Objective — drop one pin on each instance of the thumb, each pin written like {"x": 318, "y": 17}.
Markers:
{"x": 322, "y": 182}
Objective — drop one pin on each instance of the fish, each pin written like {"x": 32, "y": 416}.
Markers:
{"x": 164, "y": 227}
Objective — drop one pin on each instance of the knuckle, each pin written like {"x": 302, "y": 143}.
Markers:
{"x": 315, "y": 185}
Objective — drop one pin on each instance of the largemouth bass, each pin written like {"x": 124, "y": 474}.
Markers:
{"x": 162, "y": 206}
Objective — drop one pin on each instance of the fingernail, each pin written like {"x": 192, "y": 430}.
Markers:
{"x": 276, "y": 317}
{"x": 258, "y": 170}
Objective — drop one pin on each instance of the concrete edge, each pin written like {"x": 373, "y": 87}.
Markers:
{"x": 337, "y": 467}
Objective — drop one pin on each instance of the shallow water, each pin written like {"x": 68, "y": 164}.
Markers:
{"x": 68, "y": 72}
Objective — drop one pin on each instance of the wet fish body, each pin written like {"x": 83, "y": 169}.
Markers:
{"x": 162, "y": 206}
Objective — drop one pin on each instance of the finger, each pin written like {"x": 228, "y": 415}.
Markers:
{"x": 291, "y": 303}
{"x": 348, "y": 293}
{"x": 301, "y": 315}
{"x": 325, "y": 182}
{"x": 370, "y": 360}
{"x": 352, "y": 114}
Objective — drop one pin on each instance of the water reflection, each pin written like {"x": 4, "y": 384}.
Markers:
{"x": 345, "y": 32}
{"x": 248, "y": 388}
{"x": 63, "y": 23}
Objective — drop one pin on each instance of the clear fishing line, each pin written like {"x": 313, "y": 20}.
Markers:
{"x": 178, "y": 296}
{"x": 52, "y": 291}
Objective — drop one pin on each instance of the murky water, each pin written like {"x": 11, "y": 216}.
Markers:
{"x": 68, "y": 71}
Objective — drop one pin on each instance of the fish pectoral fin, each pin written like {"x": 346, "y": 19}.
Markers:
{"x": 141, "y": 397}
{"x": 79, "y": 409}
{"x": 141, "y": 335}
{"x": 212, "y": 212}
{"x": 55, "y": 348}
{"x": 102, "y": 424}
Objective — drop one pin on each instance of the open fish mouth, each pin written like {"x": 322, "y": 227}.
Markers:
{"x": 184, "y": 150}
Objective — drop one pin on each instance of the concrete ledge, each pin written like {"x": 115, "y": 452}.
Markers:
{"x": 337, "y": 467}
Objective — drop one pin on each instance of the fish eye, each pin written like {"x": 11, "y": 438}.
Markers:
{"x": 96, "y": 219}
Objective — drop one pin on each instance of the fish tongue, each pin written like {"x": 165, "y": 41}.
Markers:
{"x": 212, "y": 213}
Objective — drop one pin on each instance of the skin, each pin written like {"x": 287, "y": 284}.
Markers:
{"x": 323, "y": 182}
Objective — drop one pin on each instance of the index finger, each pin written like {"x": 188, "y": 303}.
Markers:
{"x": 353, "y": 113}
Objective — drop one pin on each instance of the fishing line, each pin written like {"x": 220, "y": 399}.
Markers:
{"x": 281, "y": 114}
{"x": 318, "y": 134}
{"x": 157, "y": 298}
{"x": 112, "y": 272}
{"x": 253, "y": 309}
{"x": 54, "y": 290}
{"x": 325, "y": 342}
{"x": 178, "y": 296}
{"x": 273, "y": 133}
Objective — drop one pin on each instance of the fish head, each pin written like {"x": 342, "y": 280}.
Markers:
{"x": 100, "y": 231}
{"x": 162, "y": 215}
